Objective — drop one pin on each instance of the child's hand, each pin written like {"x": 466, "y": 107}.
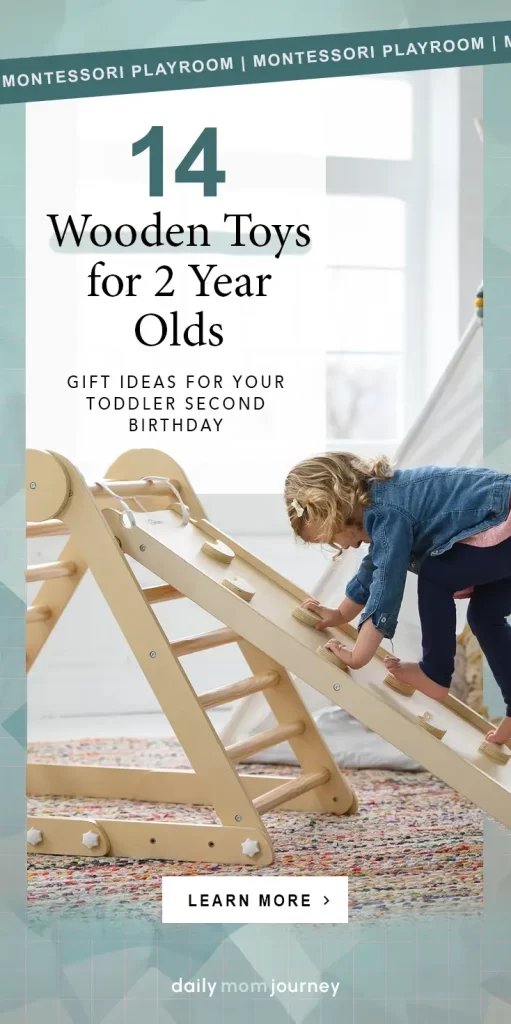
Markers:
{"x": 365, "y": 648}
{"x": 490, "y": 736}
{"x": 343, "y": 653}
{"x": 502, "y": 733}
{"x": 329, "y": 616}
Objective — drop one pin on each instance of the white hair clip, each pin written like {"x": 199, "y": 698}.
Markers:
{"x": 298, "y": 508}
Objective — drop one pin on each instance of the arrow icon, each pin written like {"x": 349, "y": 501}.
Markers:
{"x": 326, "y": 900}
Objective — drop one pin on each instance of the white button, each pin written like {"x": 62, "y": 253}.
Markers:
{"x": 252, "y": 900}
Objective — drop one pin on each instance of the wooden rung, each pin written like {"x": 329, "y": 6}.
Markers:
{"x": 264, "y": 740}
{"x": 135, "y": 489}
{"x": 234, "y": 691}
{"x": 38, "y": 613}
{"x": 164, "y": 593}
{"x": 295, "y": 787}
{"x": 51, "y": 528}
{"x": 204, "y": 641}
{"x": 49, "y": 571}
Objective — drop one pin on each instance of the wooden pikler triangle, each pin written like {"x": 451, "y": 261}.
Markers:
{"x": 256, "y": 606}
{"x": 59, "y": 501}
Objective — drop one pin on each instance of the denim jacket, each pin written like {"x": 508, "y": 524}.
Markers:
{"x": 416, "y": 513}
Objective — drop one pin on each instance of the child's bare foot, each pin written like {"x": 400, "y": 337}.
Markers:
{"x": 410, "y": 672}
{"x": 502, "y": 734}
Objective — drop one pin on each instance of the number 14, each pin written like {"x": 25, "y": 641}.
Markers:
{"x": 209, "y": 174}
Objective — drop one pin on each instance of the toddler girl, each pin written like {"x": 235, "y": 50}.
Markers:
{"x": 451, "y": 526}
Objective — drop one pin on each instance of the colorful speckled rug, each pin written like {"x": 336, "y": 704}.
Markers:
{"x": 415, "y": 845}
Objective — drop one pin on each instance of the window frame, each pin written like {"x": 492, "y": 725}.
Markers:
{"x": 406, "y": 180}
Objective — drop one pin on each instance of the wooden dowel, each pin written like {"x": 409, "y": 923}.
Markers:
{"x": 50, "y": 528}
{"x": 204, "y": 641}
{"x": 135, "y": 489}
{"x": 234, "y": 691}
{"x": 38, "y": 612}
{"x": 264, "y": 740}
{"x": 49, "y": 571}
{"x": 164, "y": 593}
{"x": 295, "y": 787}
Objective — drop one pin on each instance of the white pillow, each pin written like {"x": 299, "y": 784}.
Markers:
{"x": 351, "y": 743}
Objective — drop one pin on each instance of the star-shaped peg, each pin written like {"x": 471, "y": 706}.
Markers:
{"x": 250, "y": 847}
{"x": 90, "y": 839}
{"x": 34, "y": 836}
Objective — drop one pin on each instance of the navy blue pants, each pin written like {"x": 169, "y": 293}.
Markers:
{"x": 489, "y": 571}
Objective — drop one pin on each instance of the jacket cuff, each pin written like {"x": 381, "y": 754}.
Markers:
{"x": 385, "y": 624}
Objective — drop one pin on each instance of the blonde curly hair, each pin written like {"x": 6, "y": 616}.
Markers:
{"x": 329, "y": 491}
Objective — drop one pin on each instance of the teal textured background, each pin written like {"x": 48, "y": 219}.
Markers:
{"x": 119, "y": 970}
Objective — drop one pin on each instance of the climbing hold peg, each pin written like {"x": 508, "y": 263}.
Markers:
{"x": 218, "y": 551}
{"x": 425, "y": 723}
{"x": 328, "y": 655}
{"x": 305, "y": 615}
{"x": 403, "y": 688}
{"x": 494, "y": 751}
{"x": 239, "y": 587}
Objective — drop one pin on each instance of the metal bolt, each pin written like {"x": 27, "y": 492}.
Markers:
{"x": 142, "y": 547}
{"x": 33, "y": 485}
{"x": 152, "y": 654}
{"x": 337, "y": 686}
{"x": 237, "y": 817}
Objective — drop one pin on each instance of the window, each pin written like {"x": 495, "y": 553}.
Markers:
{"x": 375, "y": 199}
